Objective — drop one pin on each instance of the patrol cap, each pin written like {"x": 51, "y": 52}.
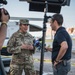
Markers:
{"x": 24, "y": 21}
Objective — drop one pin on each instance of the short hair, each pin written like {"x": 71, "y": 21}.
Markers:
{"x": 58, "y": 17}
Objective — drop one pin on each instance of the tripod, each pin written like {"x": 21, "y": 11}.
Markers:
{"x": 43, "y": 39}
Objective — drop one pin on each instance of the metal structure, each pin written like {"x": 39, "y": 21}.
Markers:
{"x": 52, "y": 2}
{"x": 54, "y": 6}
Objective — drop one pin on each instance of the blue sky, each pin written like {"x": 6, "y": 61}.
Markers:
{"x": 21, "y": 9}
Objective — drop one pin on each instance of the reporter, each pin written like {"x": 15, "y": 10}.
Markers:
{"x": 3, "y": 31}
{"x": 61, "y": 47}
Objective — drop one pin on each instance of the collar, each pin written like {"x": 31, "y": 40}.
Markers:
{"x": 60, "y": 28}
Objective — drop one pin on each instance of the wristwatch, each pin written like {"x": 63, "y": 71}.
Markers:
{"x": 57, "y": 61}
{"x": 4, "y": 23}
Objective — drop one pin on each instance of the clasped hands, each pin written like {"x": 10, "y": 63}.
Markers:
{"x": 26, "y": 46}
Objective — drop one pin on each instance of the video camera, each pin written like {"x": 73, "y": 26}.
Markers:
{"x": 4, "y": 10}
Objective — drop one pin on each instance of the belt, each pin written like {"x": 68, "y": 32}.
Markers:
{"x": 67, "y": 61}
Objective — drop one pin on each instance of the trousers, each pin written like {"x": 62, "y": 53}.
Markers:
{"x": 62, "y": 68}
{"x": 18, "y": 69}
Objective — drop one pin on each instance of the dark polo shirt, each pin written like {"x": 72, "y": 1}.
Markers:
{"x": 60, "y": 36}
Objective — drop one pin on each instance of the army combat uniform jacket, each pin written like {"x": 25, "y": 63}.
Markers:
{"x": 20, "y": 56}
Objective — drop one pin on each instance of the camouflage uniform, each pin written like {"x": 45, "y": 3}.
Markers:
{"x": 21, "y": 58}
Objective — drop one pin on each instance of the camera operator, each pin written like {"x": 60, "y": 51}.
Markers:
{"x": 3, "y": 31}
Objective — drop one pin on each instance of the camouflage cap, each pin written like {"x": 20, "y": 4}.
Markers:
{"x": 24, "y": 21}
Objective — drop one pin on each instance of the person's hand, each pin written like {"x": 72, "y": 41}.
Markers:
{"x": 48, "y": 49}
{"x": 30, "y": 47}
{"x": 55, "y": 63}
{"x": 4, "y": 18}
{"x": 25, "y": 46}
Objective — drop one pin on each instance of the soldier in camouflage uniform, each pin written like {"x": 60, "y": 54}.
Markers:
{"x": 21, "y": 46}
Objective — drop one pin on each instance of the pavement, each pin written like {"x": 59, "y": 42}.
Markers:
{"x": 47, "y": 64}
{"x": 47, "y": 67}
